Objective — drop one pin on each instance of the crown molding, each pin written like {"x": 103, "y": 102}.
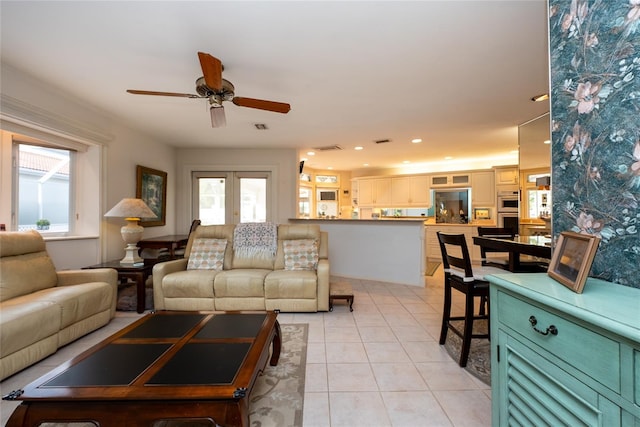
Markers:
{"x": 27, "y": 117}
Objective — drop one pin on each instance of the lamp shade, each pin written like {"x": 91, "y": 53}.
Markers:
{"x": 130, "y": 208}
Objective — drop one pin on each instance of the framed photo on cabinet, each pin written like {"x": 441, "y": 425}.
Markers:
{"x": 572, "y": 259}
{"x": 151, "y": 187}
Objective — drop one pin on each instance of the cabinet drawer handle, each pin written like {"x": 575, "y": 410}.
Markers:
{"x": 550, "y": 330}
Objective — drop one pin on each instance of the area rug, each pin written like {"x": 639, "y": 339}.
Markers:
{"x": 128, "y": 298}
{"x": 431, "y": 268}
{"x": 278, "y": 395}
{"x": 479, "y": 362}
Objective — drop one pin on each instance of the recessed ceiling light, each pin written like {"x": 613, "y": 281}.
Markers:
{"x": 304, "y": 159}
{"x": 548, "y": 141}
{"x": 448, "y": 158}
{"x": 406, "y": 161}
{"x": 358, "y": 148}
{"x": 310, "y": 153}
{"x": 416, "y": 140}
{"x": 541, "y": 97}
{"x": 330, "y": 167}
{"x": 365, "y": 164}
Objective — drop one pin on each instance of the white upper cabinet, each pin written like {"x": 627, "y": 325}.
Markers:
{"x": 483, "y": 189}
{"x": 507, "y": 176}
{"x": 451, "y": 180}
{"x": 374, "y": 192}
{"x": 409, "y": 191}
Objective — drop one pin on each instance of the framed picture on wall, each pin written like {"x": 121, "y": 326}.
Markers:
{"x": 572, "y": 259}
{"x": 151, "y": 186}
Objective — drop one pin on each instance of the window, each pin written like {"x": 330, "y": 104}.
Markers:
{"x": 43, "y": 188}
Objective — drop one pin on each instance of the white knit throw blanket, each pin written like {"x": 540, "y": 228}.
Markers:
{"x": 255, "y": 240}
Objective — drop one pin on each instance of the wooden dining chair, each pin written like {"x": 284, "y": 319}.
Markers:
{"x": 461, "y": 276}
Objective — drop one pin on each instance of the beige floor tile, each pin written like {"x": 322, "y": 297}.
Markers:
{"x": 411, "y": 333}
{"x": 400, "y": 319}
{"x": 351, "y": 377}
{"x": 397, "y": 377}
{"x": 358, "y": 410}
{"x": 446, "y": 376}
{"x": 377, "y": 334}
{"x": 413, "y": 409}
{"x": 316, "y": 410}
{"x": 316, "y": 377}
{"x": 473, "y": 413}
{"x": 419, "y": 307}
{"x": 369, "y": 319}
{"x": 386, "y": 353}
{"x": 346, "y": 352}
{"x": 316, "y": 352}
{"x": 342, "y": 334}
{"x": 426, "y": 351}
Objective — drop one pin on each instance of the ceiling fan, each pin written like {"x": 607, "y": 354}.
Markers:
{"x": 216, "y": 89}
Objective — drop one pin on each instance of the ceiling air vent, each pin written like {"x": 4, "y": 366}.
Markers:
{"x": 382, "y": 141}
{"x": 260, "y": 126}
{"x": 328, "y": 148}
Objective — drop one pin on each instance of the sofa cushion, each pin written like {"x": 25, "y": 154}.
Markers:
{"x": 25, "y": 266}
{"x": 300, "y": 254}
{"x": 79, "y": 302}
{"x": 26, "y": 320}
{"x": 207, "y": 254}
{"x": 214, "y": 232}
{"x": 293, "y": 232}
{"x": 284, "y": 284}
{"x": 189, "y": 284}
{"x": 240, "y": 283}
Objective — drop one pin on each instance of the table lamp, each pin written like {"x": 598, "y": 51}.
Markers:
{"x": 132, "y": 210}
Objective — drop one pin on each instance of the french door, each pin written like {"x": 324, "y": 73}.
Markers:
{"x": 231, "y": 197}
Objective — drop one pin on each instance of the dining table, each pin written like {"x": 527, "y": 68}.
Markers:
{"x": 535, "y": 246}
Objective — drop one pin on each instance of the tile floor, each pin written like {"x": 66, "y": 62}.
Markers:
{"x": 379, "y": 365}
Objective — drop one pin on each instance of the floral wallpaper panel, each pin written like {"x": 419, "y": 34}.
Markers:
{"x": 595, "y": 110}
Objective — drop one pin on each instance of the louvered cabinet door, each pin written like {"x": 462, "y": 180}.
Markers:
{"x": 536, "y": 392}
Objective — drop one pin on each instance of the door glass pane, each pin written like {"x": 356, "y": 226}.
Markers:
{"x": 253, "y": 200}
{"x": 212, "y": 200}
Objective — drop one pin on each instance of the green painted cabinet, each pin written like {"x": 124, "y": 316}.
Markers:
{"x": 561, "y": 358}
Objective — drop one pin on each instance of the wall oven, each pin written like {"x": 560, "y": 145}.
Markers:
{"x": 508, "y": 201}
{"x": 509, "y": 220}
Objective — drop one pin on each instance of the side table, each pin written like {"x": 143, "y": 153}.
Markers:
{"x": 137, "y": 273}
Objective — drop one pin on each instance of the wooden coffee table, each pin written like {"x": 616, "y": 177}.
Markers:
{"x": 178, "y": 366}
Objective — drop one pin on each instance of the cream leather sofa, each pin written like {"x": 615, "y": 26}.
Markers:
{"x": 41, "y": 309}
{"x": 245, "y": 283}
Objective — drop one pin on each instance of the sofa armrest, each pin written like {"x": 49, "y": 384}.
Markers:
{"x": 78, "y": 277}
{"x": 159, "y": 271}
{"x": 323, "y": 284}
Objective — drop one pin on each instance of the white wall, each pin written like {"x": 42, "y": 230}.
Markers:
{"x": 42, "y": 111}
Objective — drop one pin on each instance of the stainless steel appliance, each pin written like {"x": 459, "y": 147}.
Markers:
{"x": 508, "y": 210}
{"x": 508, "y": 201}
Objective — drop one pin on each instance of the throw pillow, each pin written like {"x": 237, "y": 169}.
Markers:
{"x": 300, "y": 254}
{"x": 207, "y": 254}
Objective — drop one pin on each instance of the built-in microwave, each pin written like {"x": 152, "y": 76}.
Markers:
{"x": 508, "y": 201}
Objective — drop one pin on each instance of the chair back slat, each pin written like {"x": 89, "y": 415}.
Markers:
{"x": 498, "y": 233}
{"x": 455, "y": 252}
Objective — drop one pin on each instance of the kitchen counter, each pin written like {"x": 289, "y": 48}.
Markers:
{"x": 387, "y": 250}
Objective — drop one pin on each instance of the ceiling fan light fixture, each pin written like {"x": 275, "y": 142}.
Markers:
{"x": 217, "y": 116}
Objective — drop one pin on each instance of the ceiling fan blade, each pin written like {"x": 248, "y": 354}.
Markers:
{"x": 148, "y": 92}
{"x": 212, "y": 70}
{"x": 276, "y": 107}
{"x": 218, "y": 118}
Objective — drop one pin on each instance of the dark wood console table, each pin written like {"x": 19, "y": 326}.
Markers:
{"x": 180, "y": 366}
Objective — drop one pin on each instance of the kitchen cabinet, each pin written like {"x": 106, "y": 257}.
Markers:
{"x": 483, "y": 189}
{"x": 407, "y": 191}
{"x": 374, "y": 192}
{"x": 433, "y": 247}
{"x": 506, "y": 176}
{"x": 450, "y": 180}
{"x": 561, "y": 358}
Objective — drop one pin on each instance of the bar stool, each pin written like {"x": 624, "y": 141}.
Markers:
{"x": 459, "y": 275}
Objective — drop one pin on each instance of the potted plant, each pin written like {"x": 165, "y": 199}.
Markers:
{"x": 43, "y": 224}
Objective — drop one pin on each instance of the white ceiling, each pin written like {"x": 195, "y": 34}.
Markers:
{"x": 458, "y": 74}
